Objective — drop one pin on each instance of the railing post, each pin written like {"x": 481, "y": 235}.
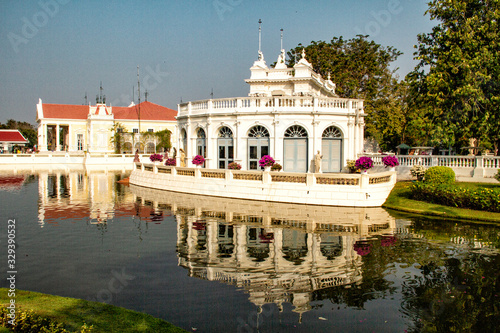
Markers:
{"x": 310, "y": 179}
{"x": 364, "y": 181}
{"x": 266, "y": 177}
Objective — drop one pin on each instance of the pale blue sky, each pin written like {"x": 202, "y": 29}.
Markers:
{"x": 58, "y": 50}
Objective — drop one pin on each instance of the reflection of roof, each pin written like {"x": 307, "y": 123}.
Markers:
{"x": 12, "y": 135}
{"x": 149, "y": 111}
{"x": 11, "y": 182}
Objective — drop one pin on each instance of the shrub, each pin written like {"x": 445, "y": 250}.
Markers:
{"x": 497, "y": 176}
{"x": 28, "y": 321}
{"x": 418, "y": 171}
{"x": 364, "y": 163}
{"x": 351, "y": 165}
{"x": 171, "y": 162}
{"x": 440, "y": 175}
{"x": 390, "y": 161}
{"x": 485, "y": 199}
{"x": 234, "y": 166}
{"x": 198, "y": 160}
{"x": 156, "y": 157}
{"x": 276, "y": 167}
{"x": 266, "y": 160}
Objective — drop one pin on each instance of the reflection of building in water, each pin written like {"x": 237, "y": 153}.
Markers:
{"x": 90, "y": 196}
{"x": 276, "y": 252}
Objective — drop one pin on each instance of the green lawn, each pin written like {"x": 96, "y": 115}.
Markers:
{"x": 398, "y": 200}
{"x": 73, "y": 313}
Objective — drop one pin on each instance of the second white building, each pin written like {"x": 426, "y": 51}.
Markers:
{"x": 291, "y": 113}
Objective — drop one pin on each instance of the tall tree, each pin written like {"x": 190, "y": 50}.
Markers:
{"x": 360, "y": 69}
{"x": 458, "y": 76}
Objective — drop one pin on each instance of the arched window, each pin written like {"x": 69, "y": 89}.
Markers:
{"x": 295, "y": 131}
{"x": 258, "y": 145}
{"x": 295, "y": 149}
{"x": 332, "y": 132}
{"x": 331, "y": 149}
{"x": 225, "y": 132}
{"x": 258, "y": 132}
{"x": 150, "y": 148}
{"x": 201, "y": 145}
{"x": 183, "y": 142}
{"x": 226, "y": 148}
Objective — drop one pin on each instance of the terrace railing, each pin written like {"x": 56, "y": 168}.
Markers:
{"x": 267, "y": 104}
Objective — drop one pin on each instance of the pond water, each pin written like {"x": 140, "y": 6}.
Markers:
{"x": 219, "y": 265}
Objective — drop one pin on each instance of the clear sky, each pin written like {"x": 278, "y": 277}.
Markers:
{"x": 60, "y": 50}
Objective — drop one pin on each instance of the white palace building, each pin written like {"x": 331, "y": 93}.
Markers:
{"x": 291, "y": 113}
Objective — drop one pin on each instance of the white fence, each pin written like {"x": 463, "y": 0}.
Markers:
{"x": 93, "y": 160}
{"x": 475, "y": 167}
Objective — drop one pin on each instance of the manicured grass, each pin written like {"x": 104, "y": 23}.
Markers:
{"x": 398, "y": 200}
{"x": 73, "y": 313}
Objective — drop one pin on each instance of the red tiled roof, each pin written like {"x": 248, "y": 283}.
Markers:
{"x": 149, "y": 111}
{"x": 12, "y": 136}
{"x": 65, "y": 111}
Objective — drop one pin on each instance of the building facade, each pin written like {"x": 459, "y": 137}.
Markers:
{"x": 291, "y": 113}
{"x": 90, "y": 128}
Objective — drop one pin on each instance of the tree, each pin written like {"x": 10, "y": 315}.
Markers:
{"x": 360, "y": 69}
{"x": 458, "y": 76}
{"x": 117, "y": 137}
{"x": 26, "y": 129}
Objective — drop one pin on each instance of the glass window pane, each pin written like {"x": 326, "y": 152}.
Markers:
{"x": 264, "y": 151}
{"x": 222, "y": 152}
{"x": 222, "y": 164}
{"x": 253, "y": 165}
{"x": 230, "y": 152}
{"x": 253, "y": 152}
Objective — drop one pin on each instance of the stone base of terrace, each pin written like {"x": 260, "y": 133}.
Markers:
{"x": 347, "y": 190}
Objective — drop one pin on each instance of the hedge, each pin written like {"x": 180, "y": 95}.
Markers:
{"x": 440, "y": 175}
{"x": 484, "y": 199}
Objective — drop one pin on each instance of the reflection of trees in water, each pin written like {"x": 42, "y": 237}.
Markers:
{"x": 461, "y": 295}
{"x": 294, "y": 246}
{"x": 376, "y": 265}
{"x": 331, "y": 246}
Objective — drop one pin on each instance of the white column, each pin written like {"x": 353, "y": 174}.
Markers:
{"x": 58, "y": 146}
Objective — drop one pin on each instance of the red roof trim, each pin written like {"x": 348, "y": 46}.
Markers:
{"x": 13, "y": 136}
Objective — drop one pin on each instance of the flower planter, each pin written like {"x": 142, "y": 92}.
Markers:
{"x": 267, "y": 168}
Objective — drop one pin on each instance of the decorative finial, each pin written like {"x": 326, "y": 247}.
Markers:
{"x": 260, "y": 33}
{"x": 303, "y": 53}
{"x": 281, "y": 38}
{"x": 329, "y": 77}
